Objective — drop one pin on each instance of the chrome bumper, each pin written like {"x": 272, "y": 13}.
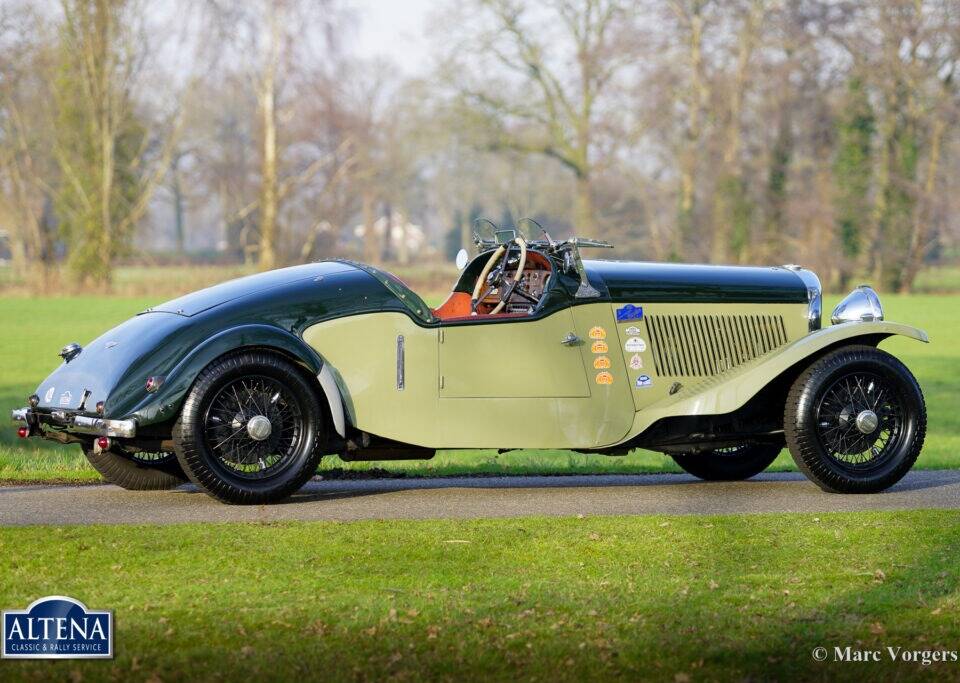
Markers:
{"x": 125, "y": 429}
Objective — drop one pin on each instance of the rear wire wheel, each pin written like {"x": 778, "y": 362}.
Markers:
{"x": 729, "y": 464}
{"x": 249, "y": 429}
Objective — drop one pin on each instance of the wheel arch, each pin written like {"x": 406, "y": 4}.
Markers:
{"x": 768, "y": 376}
{"x": 166, "y": 403}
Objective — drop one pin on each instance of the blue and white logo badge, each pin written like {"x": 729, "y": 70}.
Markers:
{"x": 629, "y": 312}
{"x": 57, "y": 627}
{"x": 644, "y": 381}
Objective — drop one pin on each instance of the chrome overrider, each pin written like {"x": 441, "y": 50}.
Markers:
{"x": 82, "y": 424}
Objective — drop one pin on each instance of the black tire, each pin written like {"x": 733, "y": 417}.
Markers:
{"x": 729, "y": 464}
{"x": 212, "y": 436}
{"x": 822, "y": 420}
{"x": 137, "y": 471}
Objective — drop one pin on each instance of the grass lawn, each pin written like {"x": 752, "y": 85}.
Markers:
{"x": 661, "y": 598}
{"x": 36, "y": 328}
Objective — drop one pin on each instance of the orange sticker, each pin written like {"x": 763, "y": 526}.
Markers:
{"x": 604, "y": 378}
{"x": 601, "y": 363}
{"x": 598, "y": 333}
{"x": 599, "y": 347}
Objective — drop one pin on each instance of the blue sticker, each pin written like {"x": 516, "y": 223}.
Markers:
{"x": 57, "y": 627}
{"x": 629, "y": 312}
{"x": 644, "y": 381}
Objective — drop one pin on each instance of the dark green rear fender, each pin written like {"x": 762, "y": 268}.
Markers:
{"x": 165, "y": 404}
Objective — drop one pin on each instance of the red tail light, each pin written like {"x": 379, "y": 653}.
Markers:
{"x": 103, "y": 443}
{"x": 23, "y": 432}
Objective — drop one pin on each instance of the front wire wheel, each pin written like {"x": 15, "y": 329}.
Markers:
{"x": 249, "y": 429}
{"x": 855, "y": 420}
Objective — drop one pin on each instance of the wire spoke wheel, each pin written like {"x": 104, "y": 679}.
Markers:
{"x": 152, "y": 458}
{"x": 253, "y": 426}
{"x": 860, "y": 420}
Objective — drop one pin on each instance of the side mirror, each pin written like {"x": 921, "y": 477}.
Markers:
{"x": 463, "y": 258}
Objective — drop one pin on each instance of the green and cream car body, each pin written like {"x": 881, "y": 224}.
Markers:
{"x": 244, "y": 386}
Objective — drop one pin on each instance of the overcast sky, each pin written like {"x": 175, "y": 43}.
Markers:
{"x": 395, "y": 29}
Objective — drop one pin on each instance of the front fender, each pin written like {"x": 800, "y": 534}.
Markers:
{"x": 165, "y": 403}
{"x": 730, "y": 391}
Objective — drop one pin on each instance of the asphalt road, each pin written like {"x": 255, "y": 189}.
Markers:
{"x": 465, "y": 498}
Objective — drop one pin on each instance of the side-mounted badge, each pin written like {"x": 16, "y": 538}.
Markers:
{"x": 599, "y": 346}
{"x": 598, "y": 333}
{"x": 632, "y": 331}
{"x": 629, "y": 312}
{"x": 601, "y": 363}
{"x": 604, "y": 378}
{"x": 636, "y": 361}
{"x": 644, "y": 381}
{"x": 635, "y": 345}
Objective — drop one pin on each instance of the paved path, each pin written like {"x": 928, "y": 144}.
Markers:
{"x": 472, "y": 498}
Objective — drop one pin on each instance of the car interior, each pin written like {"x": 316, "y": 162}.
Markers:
{"x": 510, "y": 282}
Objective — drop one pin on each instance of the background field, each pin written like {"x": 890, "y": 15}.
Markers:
{"x": 36, "y": 328}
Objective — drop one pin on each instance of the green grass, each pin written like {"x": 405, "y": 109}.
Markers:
{"x": 652, "y": 598}
{"x": 35, "y": 329}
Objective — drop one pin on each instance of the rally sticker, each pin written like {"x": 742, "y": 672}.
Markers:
{"x": 636, "y": 362}
{"x": 65, "y": 398}
{"x": 629, "y": 312}
{"x": 47, "y": 397}
{"x": 604, "y": 378}
{"x": 598, "y": 333}
{"x": 644, "y": 381}
{"x": 635, "y": 344}
{"x": 601, "y": 363}
{"x": 599, "y": 347}
{"x": 632, "y": 331}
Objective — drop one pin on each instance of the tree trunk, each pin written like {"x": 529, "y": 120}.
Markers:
{"x": 370, "y": 250}
{"x": 921, "y": 226}
{"x": 269, "y": 173}
{"x": 584, "y": 223}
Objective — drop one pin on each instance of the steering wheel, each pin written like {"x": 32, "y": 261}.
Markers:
{"x": 497, "y": 279}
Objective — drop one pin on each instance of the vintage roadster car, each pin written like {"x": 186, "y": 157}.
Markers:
{"x": 242, "y": 387}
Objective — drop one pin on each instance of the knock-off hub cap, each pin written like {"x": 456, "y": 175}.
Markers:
{"x": 867, "y": 421}
{"x": 259, "y": 427}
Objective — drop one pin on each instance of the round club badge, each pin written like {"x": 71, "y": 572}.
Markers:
{"x": 599, "y": 346}
{"x": 601, "y": 363}
{"x": 604, "y": 378}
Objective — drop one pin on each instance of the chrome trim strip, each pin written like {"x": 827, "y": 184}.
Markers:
{"x": 332, "y": 392}
{"x": 400, "y": 363}
{"x": 814, "y": 295}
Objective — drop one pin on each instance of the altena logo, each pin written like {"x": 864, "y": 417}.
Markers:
{"x": 57, "y": 627}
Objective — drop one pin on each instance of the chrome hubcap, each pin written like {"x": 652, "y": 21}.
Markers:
{"x": 259, "y": 427}
{"x": 867, "y": 421}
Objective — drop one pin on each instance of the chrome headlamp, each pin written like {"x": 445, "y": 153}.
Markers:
{"x": 814, "y": 295}
{"x": 860, "y": 305}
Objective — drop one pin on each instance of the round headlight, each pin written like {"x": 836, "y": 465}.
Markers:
{"x": 860, "y": 305}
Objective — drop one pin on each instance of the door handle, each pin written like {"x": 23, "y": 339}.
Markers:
{"x": 570, "y": 340}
